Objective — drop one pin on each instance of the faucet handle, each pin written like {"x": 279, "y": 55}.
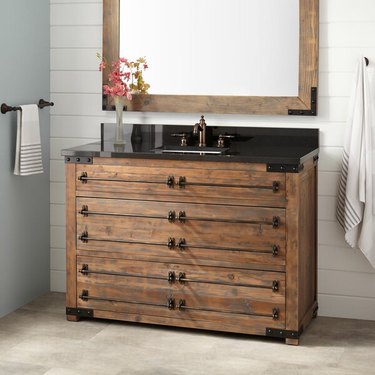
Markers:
{"x": 222, "y": 137}
{"x": 183, "y": 141}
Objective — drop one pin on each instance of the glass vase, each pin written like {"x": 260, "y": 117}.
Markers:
{"x": 119, "y": 102}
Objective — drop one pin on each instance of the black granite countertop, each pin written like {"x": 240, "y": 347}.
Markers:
{"x": 290, "y": 146}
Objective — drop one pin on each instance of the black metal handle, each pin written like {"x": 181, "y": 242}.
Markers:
{"x": 181, "y": 304}
{"x": 275, "y": 313}
{"x": 170, "y": 181}
{"x": 181, "y": 181}
{"x": 171, "y": 277}
{"x": 275, "y": 250}
{"x": 84, "y": 210}
{"x": 85, "y": 269}
{"x": 275, "y": 221}
{"x": 181, "y": 243}
{"x": 182, "y": 216}
{"x": 84, "y": 295}
{"x": 171, "y": 243}
{"x": 182, "y": 277}
{"x": 171, "y": 303}
{"x": 84, "y": 237}
{"x": 275, "y": 285}
{"x": 83, "y": 177}
{"x": 275, "y": 186}
{"x": 171, "y": 216}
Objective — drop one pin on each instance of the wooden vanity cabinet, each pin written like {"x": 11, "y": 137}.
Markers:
{"x": 225, "y": 246}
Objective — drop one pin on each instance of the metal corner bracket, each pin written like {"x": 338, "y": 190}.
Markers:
{"x": 290, "y": 168}
{"x": 313, "y": 105}
{"x": 78, "y": 159}
{"x": 283, "y": 333}
{"x": 82, "y": 313}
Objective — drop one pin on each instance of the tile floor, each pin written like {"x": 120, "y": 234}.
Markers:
{"x": 37, "y": 339}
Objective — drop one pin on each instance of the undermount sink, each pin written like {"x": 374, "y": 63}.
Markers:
{"x": 194, "y": 150}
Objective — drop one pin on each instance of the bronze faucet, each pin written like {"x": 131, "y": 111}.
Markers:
{"x": 200, "y": 127}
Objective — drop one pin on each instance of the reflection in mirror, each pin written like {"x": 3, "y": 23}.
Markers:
{"x": 265, "y": 62}
{"x": 215, "y": 47}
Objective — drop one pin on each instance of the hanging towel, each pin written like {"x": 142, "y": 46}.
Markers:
{"x": 355, "y": 210}
{"x": 28, "y": 159}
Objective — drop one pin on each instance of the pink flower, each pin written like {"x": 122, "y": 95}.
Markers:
{"x": 125, "y": 77}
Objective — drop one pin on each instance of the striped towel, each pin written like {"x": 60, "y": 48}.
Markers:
{"x": 28, "y": 159}
{"x": 356, "y": 195}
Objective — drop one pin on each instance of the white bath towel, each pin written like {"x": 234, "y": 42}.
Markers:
{"x": 356, "y": 196}
{"x": 28, "y": 158}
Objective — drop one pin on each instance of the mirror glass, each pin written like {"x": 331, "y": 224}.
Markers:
{"x": 214, "y": 47}
{"x": 218, "y": 56}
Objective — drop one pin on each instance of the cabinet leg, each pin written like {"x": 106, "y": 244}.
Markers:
{"x": 72, "y": 318}
{"x": 292, "y": 342}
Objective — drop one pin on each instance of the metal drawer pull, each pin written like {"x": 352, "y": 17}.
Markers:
{"x": 171, "y": 244}
{"x": 85, "y": 212}
{"x": 84, "y": 295}
{"x": 183, "y": 279}
{"x": 275, "y": 313}
{"x": 182, "y": 217}
{"x": 182, "y": 183}
{"x": 85, "y": 271}
{"x": 170, "y": 181}
{"x": 84, "y": 178}
{"x": 171, "y": 305}
{"x": 84, "y": 237}
{"x": 275, "y": 285}
{"x": 275, "y": 250}
{"x": 171, "y": 278}
{"x": 182, "y": 244}
{"x": 171, "y": 216}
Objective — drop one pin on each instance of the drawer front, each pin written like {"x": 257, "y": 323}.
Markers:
{"x": 146, "y": 287}
{"x": 182, "y": 184}
{"x": 256, "y": 234}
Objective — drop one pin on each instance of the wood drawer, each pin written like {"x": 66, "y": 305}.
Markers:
{"x": 147, "y": 288}
{"x": 254, "y": 234}
{"x": 181, "y": 184}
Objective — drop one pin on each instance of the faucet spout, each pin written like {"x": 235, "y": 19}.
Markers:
{"x": 200, "y": 128}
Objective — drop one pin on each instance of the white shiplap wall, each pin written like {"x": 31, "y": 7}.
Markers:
{"x": 347, "y": 29}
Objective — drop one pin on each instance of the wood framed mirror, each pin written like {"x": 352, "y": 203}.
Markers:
{"x": 303, "y": 102}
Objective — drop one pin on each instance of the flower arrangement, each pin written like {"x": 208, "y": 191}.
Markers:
{"x": 125, "y": 77}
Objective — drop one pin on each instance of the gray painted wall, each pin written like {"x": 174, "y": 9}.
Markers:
{"x": 24, "y": 201}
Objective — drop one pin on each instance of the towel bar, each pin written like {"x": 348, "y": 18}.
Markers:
{"x": 41, "y": 104}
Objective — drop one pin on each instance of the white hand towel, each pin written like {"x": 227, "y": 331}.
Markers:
{"x": 28, "y": 159}
{"x": 356, "y": 196}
